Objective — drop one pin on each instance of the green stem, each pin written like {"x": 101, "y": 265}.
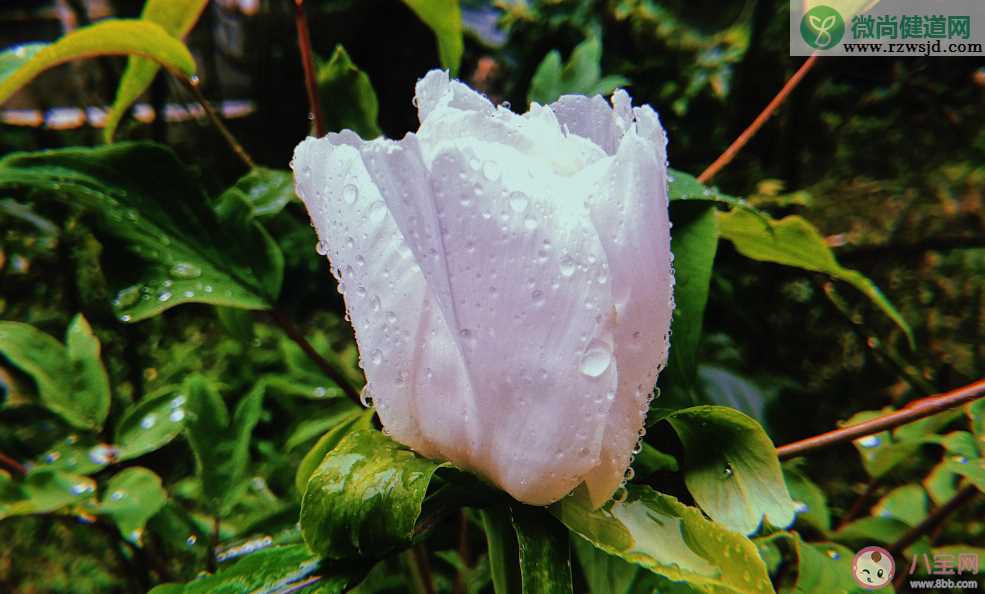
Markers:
{"x": 193, "y": 85}
{"x": 501, "y": 549}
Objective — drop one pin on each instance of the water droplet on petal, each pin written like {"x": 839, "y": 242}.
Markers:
{"x": 567, "y": 265}
{"x": 377, "y": 212}
{"x": 490, "y": 169}
{"x": 350, "y": 193}
{"x": 321, "y": 247}
{"x": 376, "y": 357}
{"x": 519, "y": 201}
{"x": 596, "y": 359}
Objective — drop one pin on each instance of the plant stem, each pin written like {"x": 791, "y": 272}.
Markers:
{"x": 859, "y": 504}
{"x": 193, "y": 86}
{"x": 212, "y": 560}
{"x": 12, "y": 464}
{"x": 295, "y": 334}
{"x": 464, "y": 552}
{"x": 308, "y": 62}
{"x": 934, "y": 519}
{"x": 757, "y": 123}
{"x": 918, "y": 409}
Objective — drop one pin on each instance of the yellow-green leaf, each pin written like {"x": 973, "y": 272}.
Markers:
{"x": 793, "y": 241}
{"x": 444, "y": 17}
{"x": 108, "y": 37}
{"x": 176, "y": 17}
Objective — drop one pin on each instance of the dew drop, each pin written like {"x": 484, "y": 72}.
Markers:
{"x": 490, "y": 169}
{"x": 596, "y": 359}
{"x": 322, "y": 248}
{"x": 519, "y": 201}
{"x": 177, "y": 415}
{"x": 186, "y": 270}
{"x": 727, "y": 472}
{"x": 148, "y": 421}
{"x": 800, "y": 507}
{"x": 376, "y": 357}
{"x": 350, "y": 193}
{"x": 620, "y": 494}
{"x": 630, "y": 473}
{"x": 567, "y": 265}
{"x": 127, "y": 297}
{"x": 530, "y": 223}
{"x": 391, "y": 318}
{"x": 537, "y": 296}
{"x": 374, "y": 303}
{"x": 834, "y": 554}
{"x": 366, "y": 397}
{"x": 870, "y": 441}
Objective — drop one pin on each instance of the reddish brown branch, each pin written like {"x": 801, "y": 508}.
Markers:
{"x": 918, "y": 409}
{"x": 12, "y": 464}
{"x": 295, "y": 334}
{"x": 756, "y": 124}
{"x": 308, "y": 62}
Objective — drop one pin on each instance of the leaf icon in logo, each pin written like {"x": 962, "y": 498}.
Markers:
{"x": 823, "y": 28}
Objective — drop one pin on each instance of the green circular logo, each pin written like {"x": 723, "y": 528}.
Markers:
{"x": 822, "y": 27}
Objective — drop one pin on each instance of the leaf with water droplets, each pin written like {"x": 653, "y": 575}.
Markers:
{"x": 141, "y": 196}
{"x": 265, "y": 191}
{"x": 71, "y": 380}
{"x": 365, "y": 498}
{"x": 43, "y": 492}
{"x": 130, "y": 498}
{"x": 818, "y": 567}
{"x": 354, "y": 420}
{"x": 731, "y": 468}
{"x": 810, "y": 501}
{"x": 151, "y": 423}
{"x": 275, "y": 570}
{"x": 662, "y": 535}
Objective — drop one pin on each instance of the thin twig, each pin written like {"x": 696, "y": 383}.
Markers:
{"x": 193, "y": 86}
{"x": 308, "y": 62}
{"x": 423, "y": 567}
{"x": 918, "y": 409}
{"x": 295, "y": 334}
{"x": 756, "y": 124}
{"x": 12, "y": 464}
{"x": 464, "y": 552}
{"x": 935, "y": 518}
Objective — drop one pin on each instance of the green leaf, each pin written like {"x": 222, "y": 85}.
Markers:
{"x": 941, "y": 483}
{"x": 131, "y": 498}
{"x": 670, "y": 539}
{"x": 276, "y": 570}
{"x": 14, "y": 57}
{"x": 693, "y": 243}
{"x": 141, "y": 195}
{"x": 354, "y": 420}
{"x": 501, "y": 547}
{"x": 176, "y": 17}
{"x": 793, "y": 241}
{"x": 971, "y": 469}
{"x": 684, "y": 186}
{"x": 725, "y": 387}
{"x": 871, "y": 529}
{"x": 908, "y": 504}
{"x": 821, "y": 567}
{"x": 976, "y": 414}
{"x": 651, "y": 460}
{"x": 266, "y": 191}
{"x": 365, "y": 497}
{"x": 151, "y": 423}
{"x": 107, "y": 37}
{"x": 581, "y": 75}
{"x": 221, "y": 444}
{"x": 90, "y": 380}
{"x": 348, "y": 99}
{"x": 444, "y": 17}
{"x": 545, "y": 555}
{"x": 810, "y": 501}
{"x": 43, "y": 492}
{"x": 731, "y": 468}
{"x": 71, "y": 381}
{"x": 604, "y": 572}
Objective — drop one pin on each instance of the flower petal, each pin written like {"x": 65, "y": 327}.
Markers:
{"x": 630, "y": 211}
{"x": 518, "y": 266}
{"x": 407, "y": 352}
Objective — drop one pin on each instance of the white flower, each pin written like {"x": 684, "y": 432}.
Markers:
{"x": 509, "y": 280}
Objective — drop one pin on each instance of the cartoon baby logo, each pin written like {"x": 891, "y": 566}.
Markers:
{"x": 873, "y": 568}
